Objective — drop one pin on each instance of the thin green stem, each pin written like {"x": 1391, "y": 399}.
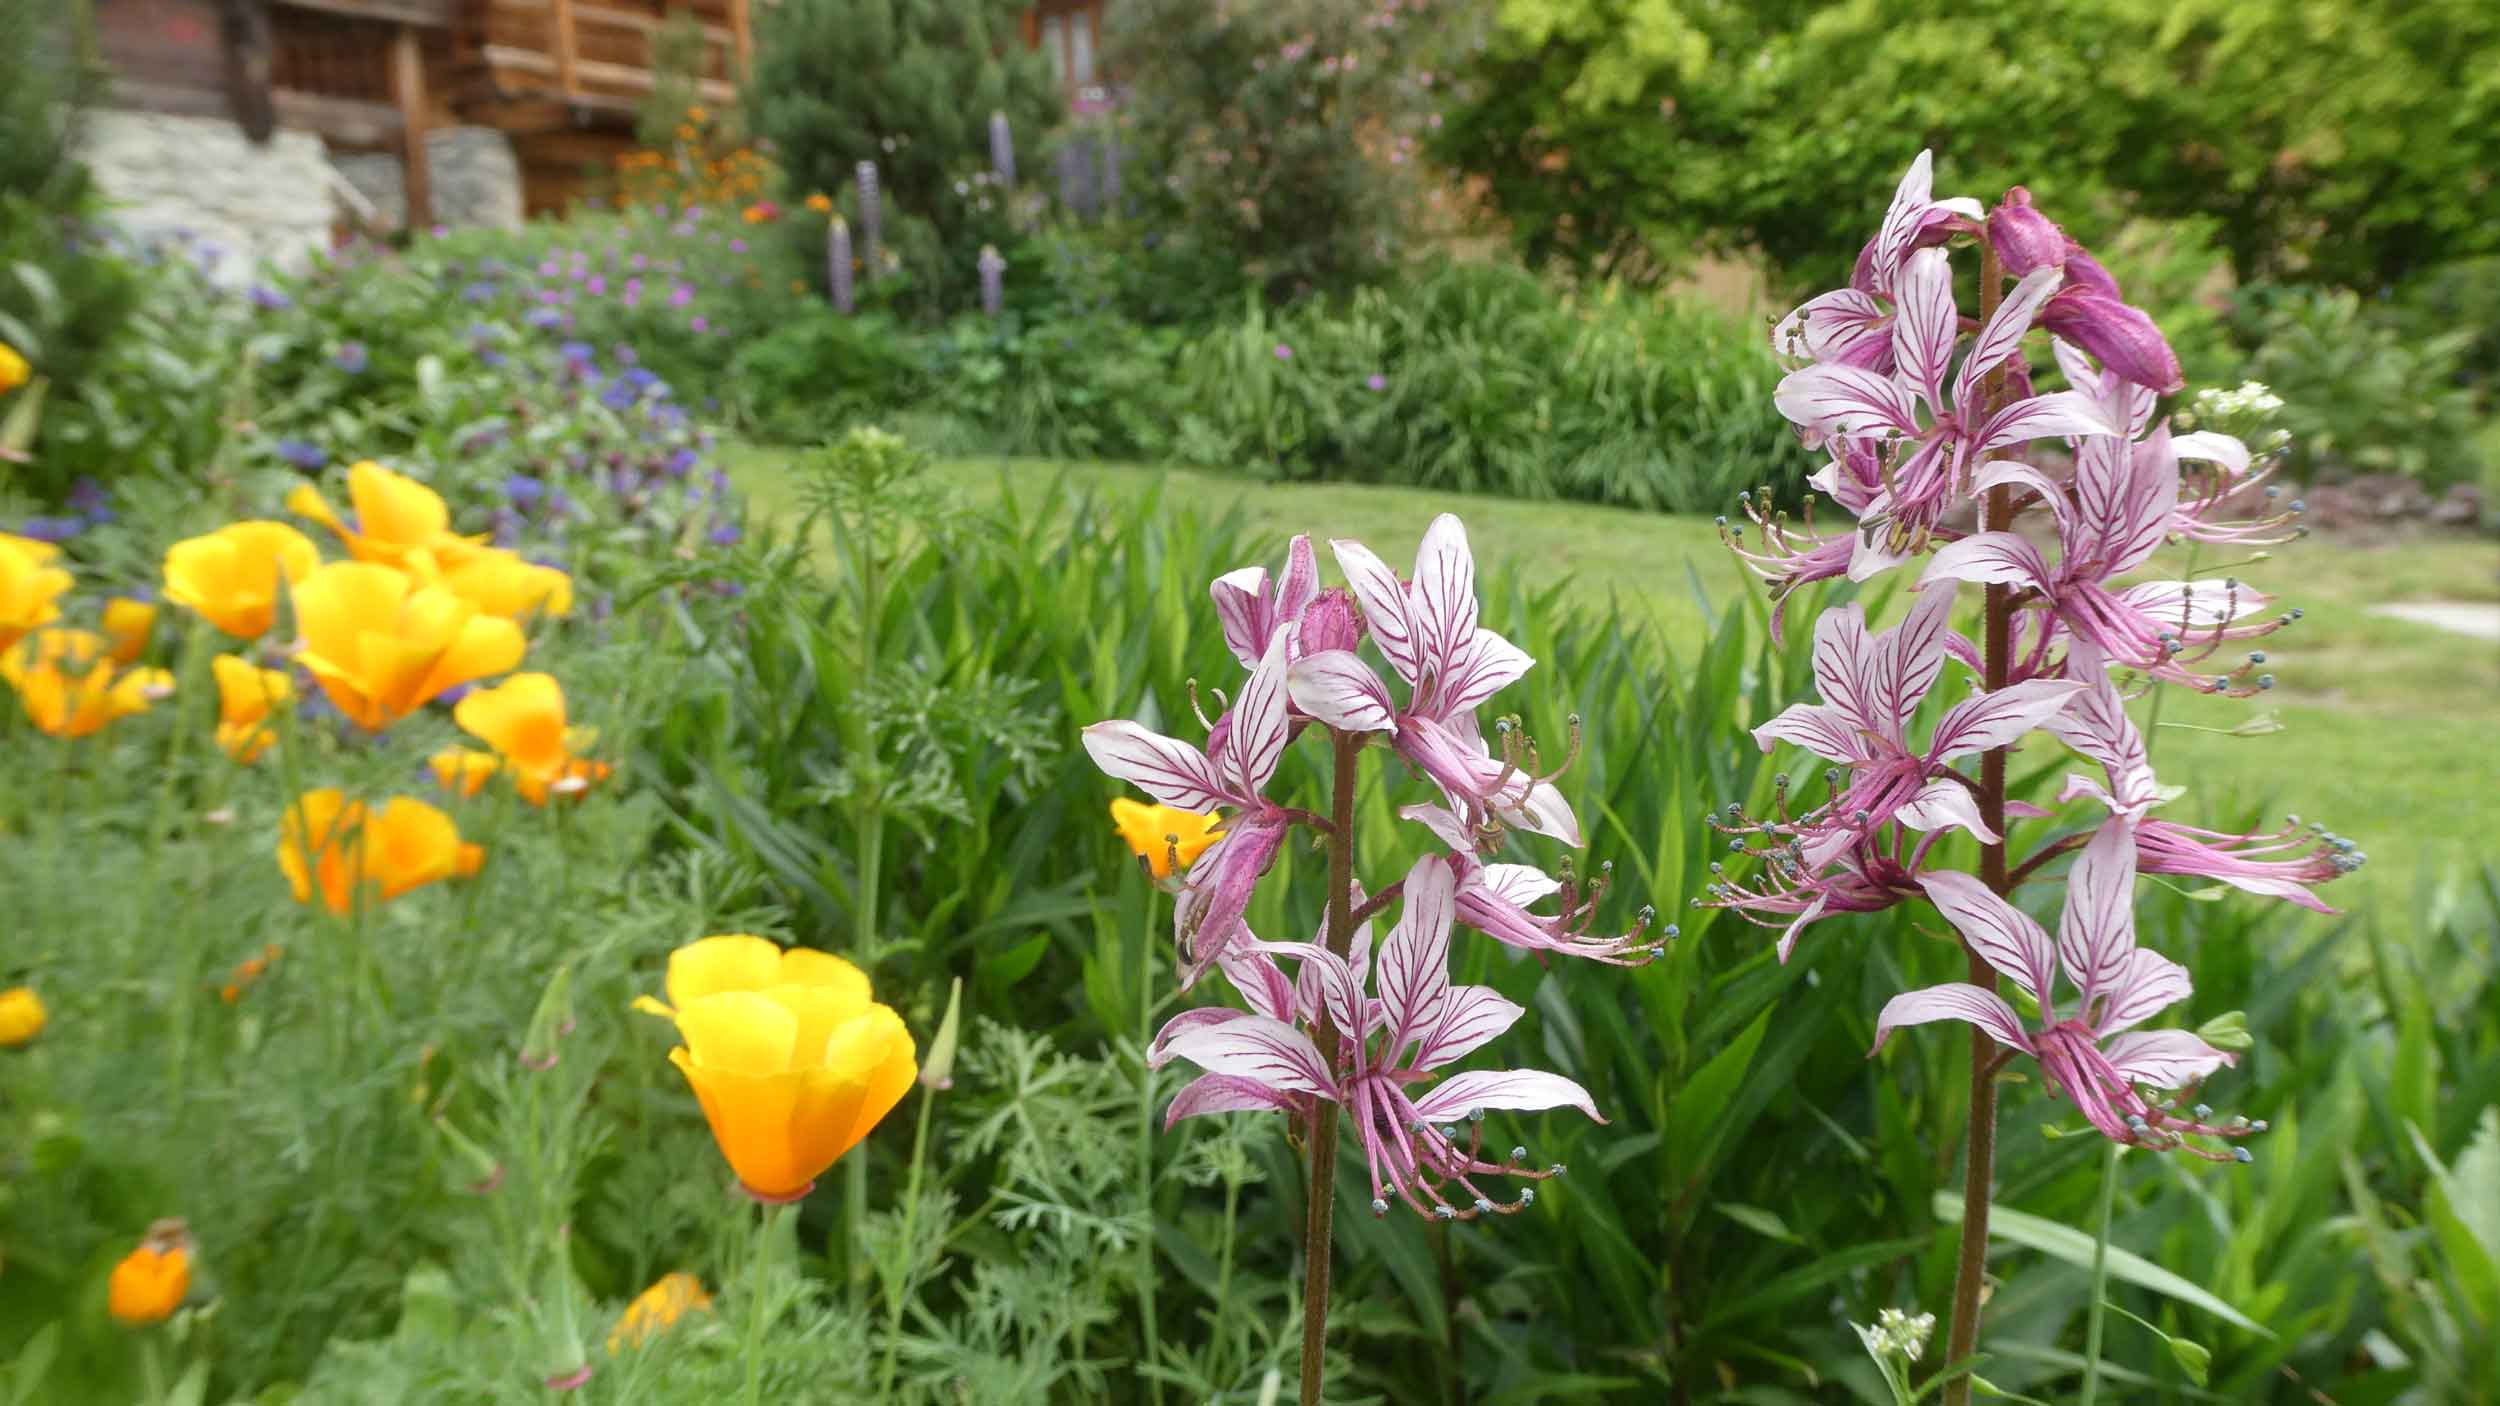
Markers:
{"x": 1146, "y": 1141}
{"x": 2100, "y": 1279}
{"x": 899, "y": 1276}
{"x": 758, "y": 1305}
{"x": 1319, "y": 1230}
{"x": 1224, "y": 1274}
{"x": 151, "y": 1371}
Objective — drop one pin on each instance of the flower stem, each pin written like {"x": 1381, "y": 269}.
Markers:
{"x": 898, "y": 1282}
{"x": 1146, "y": 1141}
{"x": 1979, "y": 1173}
{"x": 1319, "y": 1230}
{"x": 757, "y": 1309}
{"x": 2100, "y": 1279}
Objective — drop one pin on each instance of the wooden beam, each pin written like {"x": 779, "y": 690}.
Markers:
{"x": 745, "y": 38}
{"x": 433, "y": 14}
{"x": 408, "y": 85}
{"x": 560, "y": 17}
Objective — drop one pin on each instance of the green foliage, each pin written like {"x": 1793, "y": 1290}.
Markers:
{"x": 907, "y": 84}
{"x": 2361, "y": 393}
{"x": 1281, "y": 132}
{"x": 2335, "y": 142}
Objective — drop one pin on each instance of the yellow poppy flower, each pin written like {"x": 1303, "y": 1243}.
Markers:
{"x": 1154, "y": 832}
{"x": 463, "y": 770}
{"x": 231, "y": 575}
{"x": 128, "y": 623}
{"x": 791, "y": 1060}
{"x": 523, "y": 720}
{"x": 395, "y": 515}
{"x": 380, "y": 645}
{"x": 30, "y": 587}
{"x": 245, "y": 696}
{"x": 22, "y": 1017}
{"x": 658, "y": 1308}
{"x": 496, "y": 580}
{"x": 151, "y": 1281}
{"x": 408, "y": 845}
{"x": 67, "y": 682}
{"x": 14, "y": 372}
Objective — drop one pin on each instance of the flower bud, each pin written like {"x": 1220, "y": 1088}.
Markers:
{"x": 2024, "y": 238}
{"x": 552, "y": 1022}
{"x": 487, "y": 1172}
{"x": 938, "y": 1070}
{"x": 1330, "y": 621}
{"x": 2121, "y": 337}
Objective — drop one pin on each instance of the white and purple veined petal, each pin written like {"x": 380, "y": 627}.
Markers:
{"x": 1384, "y": 601}
{"x": 2056, "y": 415}
{"x": 1819, "y": 728}
{"x": 1927, "y": 325}
{"x": 1852, "y": 672}
{"x": 1519, "y": 1090}
{"x": 1207, "y": 917}
{"x": 1338, "y": 688}
{"x": 2002, "y": 336}
{"x": 1843, "y": 326}
{"x": 1321, "y": 982}
{"x": 1225, "y": 1093}
{"x": 2211, "y": 447}
{"x": 1954, "y": 1000}
{"x": 1412, "y": 972}
{"x": 1444, "y": 825}
{"x": 1989, "y": 558}
{"x": 1260, "y": 722}
{"x": 2147, "y": 984}
{"x": 1522, "y": 884}
{"x": 1919, "y": 646}
{"x": 1442, "y": 603}
{"x": 2003, "y": 935}
{"x": 1266, "y": 1052}
{"x": 1482, "y": 667}
{"x": 2163, "y": 1059}
{"x": 2195, "y": 605}
{"x": 2096, "y": 932}
{"x": 1159, "y": 1049}
{"x": 1845, "y": 400}
{"x": 1945, "y": 803}
{"x": 1263, "y": 985}
{"x": 1988, "y": 720}
{"x": 1902, "y": 219}
{"x": 2095, "y": 724}
{"x": 1471, "y": 1016}
{"x": 2125, "y": 495}
{"x": 1165, "y": 768}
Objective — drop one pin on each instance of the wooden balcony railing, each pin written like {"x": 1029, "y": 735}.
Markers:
{"x": 598, "y": 54}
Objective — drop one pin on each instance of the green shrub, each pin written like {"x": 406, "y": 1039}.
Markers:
{"x": 2349, "y": 143}
{"x": 907, "y": 84}
{"x": 1283, "y": 132}
{"x": 2361, "y": 395}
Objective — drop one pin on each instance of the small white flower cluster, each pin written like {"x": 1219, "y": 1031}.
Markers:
{"x": 2247, "y": 412}
{"x": 1902, "y": 1335}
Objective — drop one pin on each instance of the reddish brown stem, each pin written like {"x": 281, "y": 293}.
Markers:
{"x": 1318, "y": 1231}
{"x": 1979, "y": 1174}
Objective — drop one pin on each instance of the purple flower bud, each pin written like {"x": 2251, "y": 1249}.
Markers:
{"x": 353, "y": 359}
{"x": 993, "y": 280}
{"x": 1002, "y": 149}
{"x": 1283, "y": 352}
{"x": 2024, "y": 238}
{"x": 838, "y": 264}
{"x": 2085, "y": 272}
{"x": 871, "y": 218}
{"x": 1376, "y": 382}
{"x": 1330, "y": 621}
{"x": 2123, "y": 339}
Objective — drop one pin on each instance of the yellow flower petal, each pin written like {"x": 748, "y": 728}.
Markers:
{"x": 731, "y": 962}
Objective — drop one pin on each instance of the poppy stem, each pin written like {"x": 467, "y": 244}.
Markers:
{"x": 898, "y": 1280}
{"x": 1319, "y": 1230}
{"x": 2100, "y": 1279}
{"x": 1146, "y": 1140}
{"x": 758, "y": 1306}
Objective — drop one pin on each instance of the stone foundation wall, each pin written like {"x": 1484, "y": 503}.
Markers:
{"x": 193, "y": 178}
{"x": 198, "y": 177}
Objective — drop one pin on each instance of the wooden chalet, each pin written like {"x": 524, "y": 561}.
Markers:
{"x": 561, "y": 78}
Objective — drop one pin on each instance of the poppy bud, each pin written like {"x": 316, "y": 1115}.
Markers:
{"x": 1330, "y": 621}
{"x": 552, "y": 1022}
{"x": 938, "y": 1071}
{"x": 2121, "y": 337}
{"x": 2024, "y": 238}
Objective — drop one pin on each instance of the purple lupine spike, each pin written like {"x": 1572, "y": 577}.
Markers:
{"x": 838, "y": 264}
{"x": 1002, "y": 149}
{"x": 1111, "y": 159}
{"x": 871, "y": 219}
{"x": 993, "y": 281}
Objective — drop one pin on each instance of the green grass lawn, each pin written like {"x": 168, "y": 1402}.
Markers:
{"x": 2389, "y": 729}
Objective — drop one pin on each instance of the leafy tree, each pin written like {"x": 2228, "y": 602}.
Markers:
{"x": 908, "y": 84}
{"x": 2349, "y": 143}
